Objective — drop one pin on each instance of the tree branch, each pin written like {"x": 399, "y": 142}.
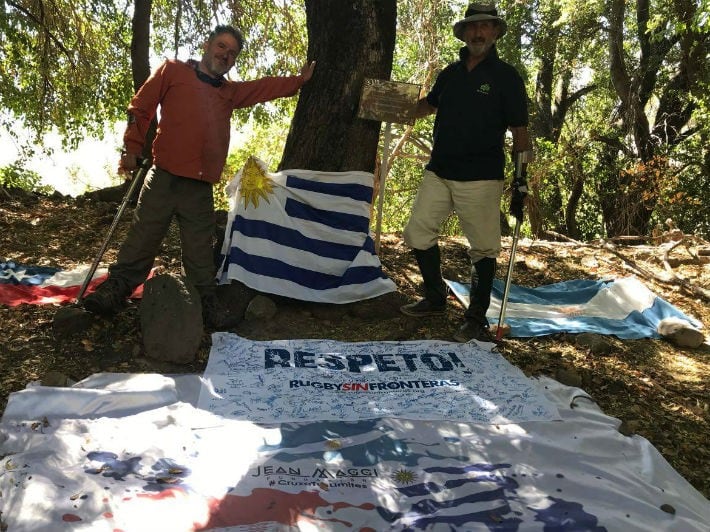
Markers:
{"x": 41, "y": 25}
{"x": 674, "y": 280}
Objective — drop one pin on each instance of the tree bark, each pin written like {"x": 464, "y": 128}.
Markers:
{"x": 350, "y": 40}
{"x": 625, "y": 214}
{"x": 140, "y": 67}
{"x": 552, "y": 102}
{"x": 140, "y": 59}
{"x": 140, "y": 42}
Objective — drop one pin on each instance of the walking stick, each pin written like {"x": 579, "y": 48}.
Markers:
{"x": 519, "y": 184}
{"x": 508, "y": 277}
{"x": 137, "y": 178}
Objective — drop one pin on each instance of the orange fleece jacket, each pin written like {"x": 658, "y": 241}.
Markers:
{"x": 192, "y": 139}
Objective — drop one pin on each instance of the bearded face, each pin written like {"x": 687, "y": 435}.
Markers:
{"x": 480, "y": 36}
{"x": 219, "y": 55}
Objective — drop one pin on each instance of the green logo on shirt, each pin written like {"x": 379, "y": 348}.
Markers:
{"x": 484, "y": 89}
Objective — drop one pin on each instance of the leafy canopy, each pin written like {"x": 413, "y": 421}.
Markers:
{"x": 64, "y": 65}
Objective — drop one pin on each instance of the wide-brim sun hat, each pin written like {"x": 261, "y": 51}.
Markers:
{"x": 477, "y": 13}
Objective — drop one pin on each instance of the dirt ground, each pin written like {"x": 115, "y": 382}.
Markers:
{"x": 659, "y": 391}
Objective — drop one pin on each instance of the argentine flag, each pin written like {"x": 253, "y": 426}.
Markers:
{"x": 625, "y": 308}
{"x": 302, "y": 234}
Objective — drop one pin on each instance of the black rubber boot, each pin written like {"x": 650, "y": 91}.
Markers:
{"x": 484, "y": 271}
{"x": 434, "y": 302}
{"x": 476, "y": 325}
{"x": 429, "y": 261}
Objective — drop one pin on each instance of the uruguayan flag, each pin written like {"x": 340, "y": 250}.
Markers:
{"x": 625, "y": 308}
{"x": 302, "y": 234}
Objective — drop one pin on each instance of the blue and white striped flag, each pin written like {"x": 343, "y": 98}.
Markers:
{"x": 624, "y": 307}
{"x": 302, "y": 234}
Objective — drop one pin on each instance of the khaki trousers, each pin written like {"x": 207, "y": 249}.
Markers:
{"x": 476, "y": 203}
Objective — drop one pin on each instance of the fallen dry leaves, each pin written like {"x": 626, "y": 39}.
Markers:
{"x": 657, "y": 390}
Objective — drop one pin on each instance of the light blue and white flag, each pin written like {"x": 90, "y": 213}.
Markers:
{"x": 302, "y": 234}
{"x": 625, "y": 308}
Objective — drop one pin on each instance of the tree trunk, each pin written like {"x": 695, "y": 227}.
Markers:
{"x": 140, "y": 67}
{"x": 140, "y": 42}
{"x": 635, "y": 85}
{"x": 572, "y": 204}
{"x": 350, "y": 40}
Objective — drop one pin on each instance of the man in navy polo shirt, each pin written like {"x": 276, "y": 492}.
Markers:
{"x": 476, "y": 100}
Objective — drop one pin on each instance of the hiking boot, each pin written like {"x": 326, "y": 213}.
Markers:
{"x": 429, "y": 262}
{"x": 422, "y": 308}
{"x": 108, "y": 298}
{"x": 474, "y": 330}
{"x": 215, "y": 314}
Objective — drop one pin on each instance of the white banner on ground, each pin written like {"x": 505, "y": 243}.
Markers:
{"x": 305, "y": 380}
{"x": 178, "y": 468}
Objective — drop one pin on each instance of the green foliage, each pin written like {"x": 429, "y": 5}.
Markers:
{"x": 558, "y": 169}
{"x": 400, "y": 190}
{"x": 684, "y": 182}
{"x": 16, "y": 175}
{"x": 64, "y": 66}
{"x": 546, "y": 179}
{"x": 276, "y": 45}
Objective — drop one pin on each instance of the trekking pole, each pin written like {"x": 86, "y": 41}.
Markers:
{"x": 519, "y": 184}
{"x": 137, "y": 178}
{"x": 508, "y": 277}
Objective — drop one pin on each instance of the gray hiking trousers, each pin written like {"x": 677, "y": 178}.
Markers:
{"x": 164, "y": 196}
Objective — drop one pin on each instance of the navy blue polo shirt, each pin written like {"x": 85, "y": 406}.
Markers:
{"x": 474, "y": 110}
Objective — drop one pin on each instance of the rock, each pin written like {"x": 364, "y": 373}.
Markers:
{"x": 628, "y": 428}
{"x": 669, "y": 509}
{"x": 260, "y": 308}
{"x": 597, "y": 344}
{"x": 113, "y": 194}
{"x": 171, "y": 319}
{"x": 235, "y": 297}
{"x": 589, "y": 261}
{"x": 569, "y": 377}
{"x": 71, "y": 320}
{"x": 56, "y": 378}
{"x": 680, "y": 332}
{"x": 136, "y": 351}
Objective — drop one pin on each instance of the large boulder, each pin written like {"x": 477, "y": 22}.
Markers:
{"x": 680, "y": 332}
{"x": 171, "y": 319}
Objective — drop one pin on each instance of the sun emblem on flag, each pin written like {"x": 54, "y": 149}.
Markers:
{"x": 255, "y": 183}
{"x": 402, "y": 476}
{"x": 333, "y": 445}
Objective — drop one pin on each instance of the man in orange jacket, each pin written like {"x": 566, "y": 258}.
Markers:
{"x": 189, "y": 152}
